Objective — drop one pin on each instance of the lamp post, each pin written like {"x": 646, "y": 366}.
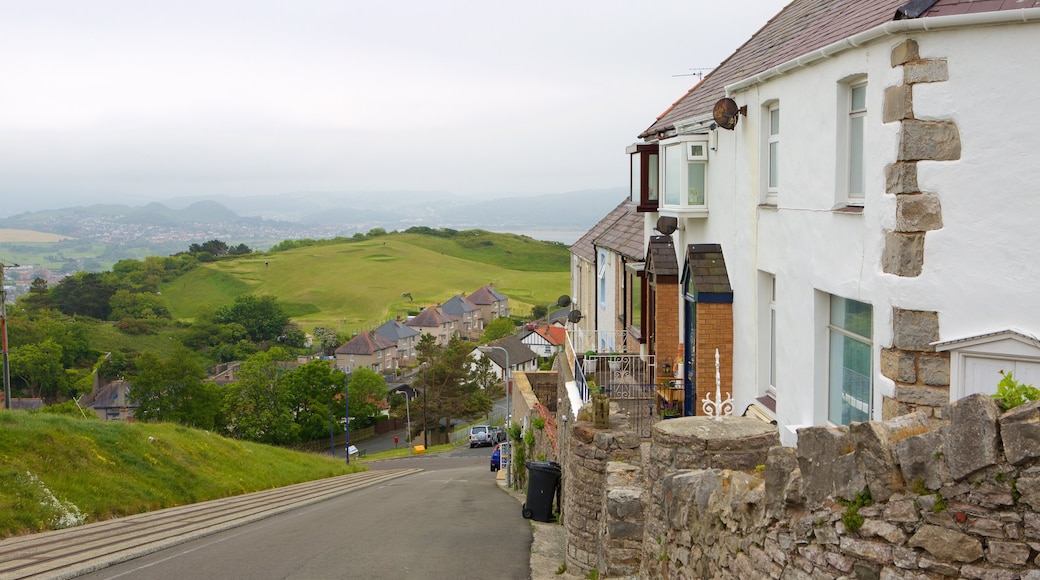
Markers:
{"x": 408, "y": 419}
{"x": 346, "y": 420}
{"x": 425, "y": 431}
{"x": 3, "y": 338}
{"x": 509, "y": 408}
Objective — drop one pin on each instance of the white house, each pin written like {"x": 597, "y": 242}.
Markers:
{"x": 846, "y": 205}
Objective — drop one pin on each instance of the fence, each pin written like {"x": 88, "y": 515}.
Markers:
{"x": 628, "y": 379}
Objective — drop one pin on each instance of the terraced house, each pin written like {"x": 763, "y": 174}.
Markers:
{"x": 844, "y": 210}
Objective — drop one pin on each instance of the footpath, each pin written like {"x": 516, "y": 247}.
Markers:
{"x": 549, "y": 547}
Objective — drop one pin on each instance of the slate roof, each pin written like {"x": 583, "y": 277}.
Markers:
{"x": 395, "y": 330}
{"x": 660, "y": 257}
{"x": 948, "y": 7}
{"x": 585, "y": 246}
{"x": 430, "y": 317}
{"x": 519, "y": 353}
{"x": 458, "y": 305}
{"x": 365, "y": 343}
{"x": 486, "y": 296}
{"x": 708, "y": 269}
{"x": 625, "y": 235}
{"x": 803, "y": 27}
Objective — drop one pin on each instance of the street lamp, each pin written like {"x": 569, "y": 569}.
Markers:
{"x": 346, "y": 421}
{"x": 3, "y": 337}
{"x": 509, "y": 408}
{"x": 408, "y": 415}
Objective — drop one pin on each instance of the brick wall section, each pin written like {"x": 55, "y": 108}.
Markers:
{"x": 666, "y": 316}
{"x": 714, "y": 330}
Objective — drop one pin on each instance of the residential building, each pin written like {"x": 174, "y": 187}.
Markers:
{"x": 467, "y": 315}
{"x": 839, "y": 211}
{"x": 367, "y": 350}
{"x": 521, "y": 358}
{"x": 492, "y": 304}
{"x": 545, "y": 341}
{"x": 110, "y": 401}
{"x": 434, "y": 321}
{"x": 404, "y": 337}
{"x": 606, "y": 266}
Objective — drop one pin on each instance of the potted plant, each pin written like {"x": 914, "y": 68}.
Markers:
{"x": 600, "y": 406}
{"x": 614, "y": 360}
{"x": 588, "y": 364}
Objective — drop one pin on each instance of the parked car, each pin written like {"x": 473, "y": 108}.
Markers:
{"x": 496, "y": 458}
{"x": 498, "y": 434}
{"x": 479, "y": 435}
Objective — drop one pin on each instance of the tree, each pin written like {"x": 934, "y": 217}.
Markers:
{"x": 451, "y": 391}
{"x": 85, "y": 294}
{"x": 368, "y": 393}
{"x": 39, "y": 368}
{"x": 173, "y": 390}
{"x": 496, "y": 329}
{"x": 262, "y": 316}
{"x": 539, "y": 311}
{"x": 315, "y": 394}
{"x": 327, "y": 338}
{"x": 257, "y": 407}
{"x": 486, "y": 378}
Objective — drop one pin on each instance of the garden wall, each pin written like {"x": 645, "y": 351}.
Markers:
{"x": 906, "y": 498}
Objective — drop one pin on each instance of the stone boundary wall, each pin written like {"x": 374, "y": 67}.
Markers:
{"x": 950, "y": 499}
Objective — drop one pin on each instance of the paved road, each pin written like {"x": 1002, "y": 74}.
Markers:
{"x": 439, "y": 516}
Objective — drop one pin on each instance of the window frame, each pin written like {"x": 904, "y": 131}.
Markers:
{"x": 851, "y": 142}
{"x": 686, "y": 151}
{"x": 836, "y": 391}
{"x": 772, "y": 152}
{"x": 644, "y": 182}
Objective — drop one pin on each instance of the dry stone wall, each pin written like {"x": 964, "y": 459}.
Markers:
{"x": 908, "y": 498}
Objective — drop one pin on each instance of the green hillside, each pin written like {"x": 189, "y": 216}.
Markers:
{"x": 360, "y": 284}
{"x": 58, "y": 471}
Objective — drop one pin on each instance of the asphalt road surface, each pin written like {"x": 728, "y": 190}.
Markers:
{"x": 449, "y": 521}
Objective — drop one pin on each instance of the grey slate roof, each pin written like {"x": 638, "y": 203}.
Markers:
{"x": 708, "y": 269}
{"x": 395, "y": 330}
{"x": 365, "y": 343}
{"x": 519, "y": 352}
{"x": 457, "y": 306}
{"x": 660, "y": 257}
{"x": 803, "y": 27}
{"x": 625, "y": 235}
{"x": 585, "y": 247}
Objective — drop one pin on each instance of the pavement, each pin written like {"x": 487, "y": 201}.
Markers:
{"x": 549, "y": 547}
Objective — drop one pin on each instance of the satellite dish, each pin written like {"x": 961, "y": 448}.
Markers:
{"x": 563, "y": 301}
{"x": 667, "y": 225}
{"x": 574, "y": 316}
{"x": 726, "y": 111}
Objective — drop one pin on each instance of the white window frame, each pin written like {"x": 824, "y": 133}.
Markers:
{"x": 838, "y": 395}
{"x": 772, "y": 152}
{"x": 851, "y": 144}
{"x": 684, "y": 151}
{"x": 771, "y": 379}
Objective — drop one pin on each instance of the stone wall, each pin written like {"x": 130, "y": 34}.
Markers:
{"x": 904, "y": 498}
{"x": 910, "y": 497}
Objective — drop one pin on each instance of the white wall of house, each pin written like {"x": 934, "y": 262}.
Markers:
{"x": 583, "y": 294}
{"x": 979, "y": 269}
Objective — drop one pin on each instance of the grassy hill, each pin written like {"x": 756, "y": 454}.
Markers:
{"x": 355, "y": 285}
{"x": 57, "y": 471}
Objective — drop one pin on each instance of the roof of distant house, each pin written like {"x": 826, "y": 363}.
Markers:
{"x": 430, "y": 317}
{"x": 365, "y": 343}
{"x": 395, "y": 330}
{"x": 486, "y": 296}
{"x": 519, "y": 352}
{"x": 802, "y": 27}
{"x": 585, "y": 247}
{"x": 458, "y": 306}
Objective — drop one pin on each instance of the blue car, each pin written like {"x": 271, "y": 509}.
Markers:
{"x": 496, "y": 459}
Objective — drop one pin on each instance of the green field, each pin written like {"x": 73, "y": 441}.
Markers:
{"x": 57, "y": 471}
{"x": 356, "y": 285}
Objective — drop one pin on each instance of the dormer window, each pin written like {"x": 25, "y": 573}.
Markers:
{"x": 643, "y": 175}
{"x": 685, "y": 175}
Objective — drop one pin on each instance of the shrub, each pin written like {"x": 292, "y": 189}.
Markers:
{"x": 1011, "y": 393}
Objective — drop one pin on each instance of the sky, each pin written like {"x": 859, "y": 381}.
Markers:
{"x": 120, "y": 100}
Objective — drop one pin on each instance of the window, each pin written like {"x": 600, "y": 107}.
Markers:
{"x": 857, "y": 119}
{"x": 849, "y": 361}
{"x": 767, "y": 334}
{"x": 850, "y": 182}
{"x": 685, "y": 173}
{"x": 643, "y": 166}
{"x": 772, "y": 155}
{"x": 771, "y": 389}
{"x": 602, "y": 275}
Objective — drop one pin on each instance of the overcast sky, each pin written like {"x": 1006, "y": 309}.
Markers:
{"x": 130, "y": 99}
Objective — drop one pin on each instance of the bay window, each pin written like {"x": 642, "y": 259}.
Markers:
{"x": 685, "y": 175}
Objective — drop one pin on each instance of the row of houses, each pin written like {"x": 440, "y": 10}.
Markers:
{"x": 392, "y": 344}
{"x": 844, "y": 210}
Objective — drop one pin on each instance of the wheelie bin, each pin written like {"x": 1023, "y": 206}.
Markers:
{"x": 543, "y": 483}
